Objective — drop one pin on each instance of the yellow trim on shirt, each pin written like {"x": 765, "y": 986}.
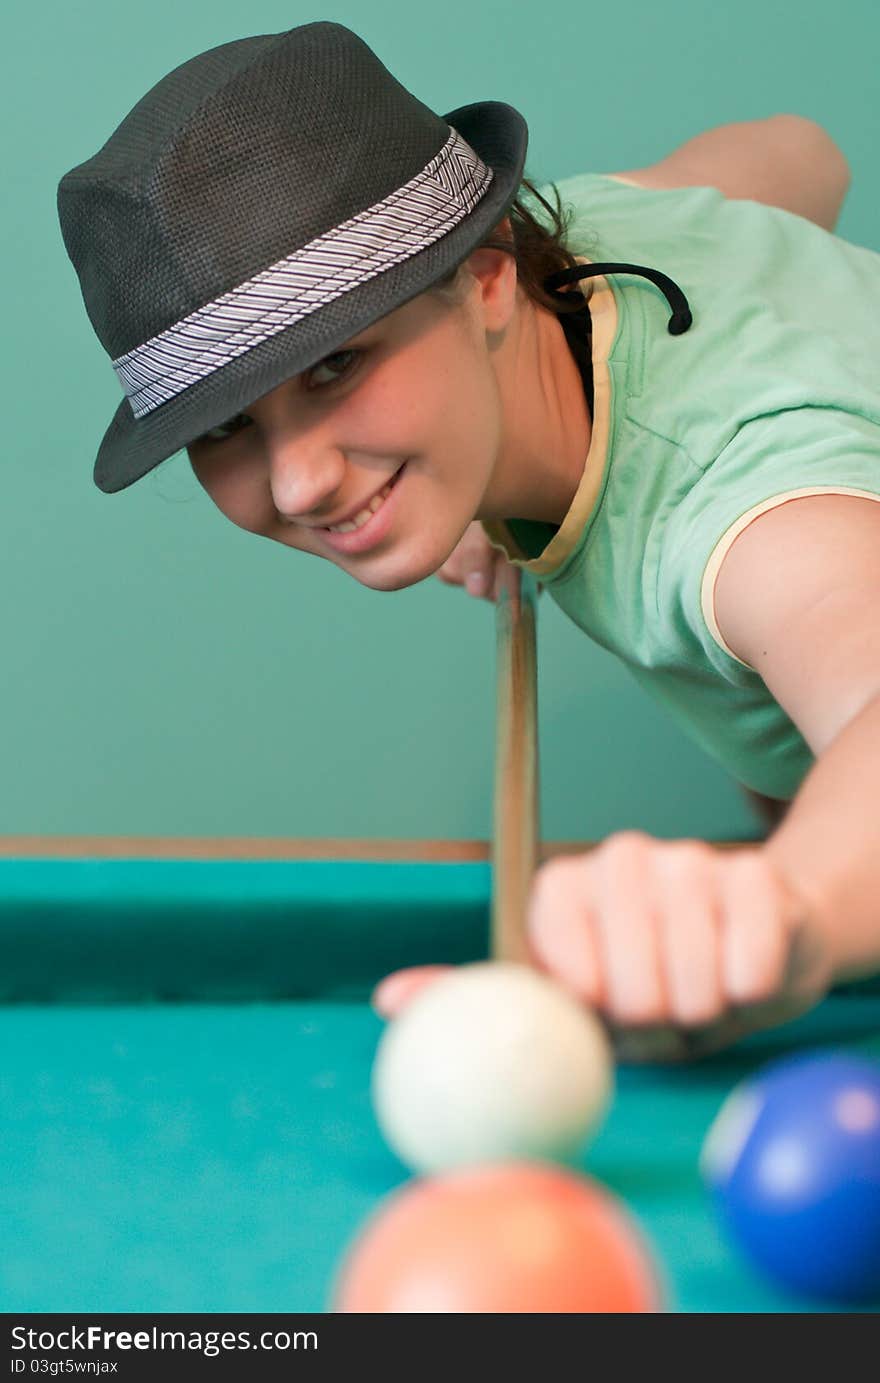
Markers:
{"x": 722, "y": 547}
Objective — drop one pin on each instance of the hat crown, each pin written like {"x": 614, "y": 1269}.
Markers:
{"x": 233, "y": 160}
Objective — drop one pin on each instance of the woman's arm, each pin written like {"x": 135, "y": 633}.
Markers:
{"x": 797, "y": 597}
{"x": 686, "y": 947}
{"x": 786, "y": 161}
{"x": 828, "y": 846}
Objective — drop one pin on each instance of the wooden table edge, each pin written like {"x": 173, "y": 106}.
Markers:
{"x": 278, "y": 848}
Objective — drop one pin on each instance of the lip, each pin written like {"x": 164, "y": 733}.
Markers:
{"x": 374, "y": 530}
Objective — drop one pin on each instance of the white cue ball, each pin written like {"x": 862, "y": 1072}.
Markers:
{"x": 494, "y": 1060}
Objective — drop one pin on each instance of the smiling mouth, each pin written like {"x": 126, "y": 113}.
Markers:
{"x": 362, "y": 518}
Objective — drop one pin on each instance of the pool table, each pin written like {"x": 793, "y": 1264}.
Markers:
{"x": 186, "y": 1053}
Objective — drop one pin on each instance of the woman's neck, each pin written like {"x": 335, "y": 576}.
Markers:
{"x": 547, "y": 424}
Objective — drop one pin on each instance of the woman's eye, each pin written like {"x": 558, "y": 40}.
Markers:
{"x": 220, "y": 432}
{"x": 337, "y": 355}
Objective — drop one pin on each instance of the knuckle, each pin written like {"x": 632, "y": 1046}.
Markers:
{"x": 690, "y": 849}
{"x": 749, "y": 861}
{"x": 554, "y": 884}
{"x": 625, "y": 842}
{"x": 631, "y": 837}
{"x": 475, "y": 539}
{"x": 749, "y": 869}
{"x": 685, "y": 860}
{"x": 549, "y": 878}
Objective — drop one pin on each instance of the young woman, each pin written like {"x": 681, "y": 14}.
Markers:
{"x": 667, "y": 408}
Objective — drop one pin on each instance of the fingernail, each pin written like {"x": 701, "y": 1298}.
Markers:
{"x": 476, "y": 583}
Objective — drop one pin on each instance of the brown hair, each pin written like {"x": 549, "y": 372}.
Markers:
{"x": 538, "y": 249}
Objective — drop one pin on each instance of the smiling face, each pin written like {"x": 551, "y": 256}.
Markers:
{"x": 431, "y": 385}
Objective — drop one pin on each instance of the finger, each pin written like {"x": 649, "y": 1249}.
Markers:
{"x": 690, "y": 926}
{"x": 394, "y": 992}
{"x": 500, "y": 577}
{"x": 485, "y": 573}
{"x": 559, "y": 928}
{"x": 478, "y": 582}
{"x": 755, "y": 929}
{"x": 476, "y": 557}
{"x": 627, "y": 930}
{"x": 471, "y": 552}
{"x": 449, "y": 571}
{"x": 452, "y": 570}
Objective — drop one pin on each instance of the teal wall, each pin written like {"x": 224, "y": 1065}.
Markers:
{"x": 166, "y": 673}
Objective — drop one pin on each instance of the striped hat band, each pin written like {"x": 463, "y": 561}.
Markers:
{"x": 419, "y": 213}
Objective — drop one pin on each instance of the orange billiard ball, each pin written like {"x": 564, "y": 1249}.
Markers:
{"x": 500, "y": 1237}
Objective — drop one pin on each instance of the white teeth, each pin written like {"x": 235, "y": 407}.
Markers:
{"x": 360, "y": 519}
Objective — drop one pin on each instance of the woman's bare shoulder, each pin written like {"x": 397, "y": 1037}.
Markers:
{"x": 784, "y": 161}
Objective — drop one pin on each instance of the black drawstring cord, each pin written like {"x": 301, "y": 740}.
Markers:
{"x": 681, "y": 318}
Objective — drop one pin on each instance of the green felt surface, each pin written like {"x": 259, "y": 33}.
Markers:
{"x": 117, "y": 929}
{"x": 191, "y": 1155}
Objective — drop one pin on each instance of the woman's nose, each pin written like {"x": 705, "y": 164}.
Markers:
{"x": 304, "y": 487}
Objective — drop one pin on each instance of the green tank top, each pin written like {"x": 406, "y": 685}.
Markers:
{"x": 771, "y": 393}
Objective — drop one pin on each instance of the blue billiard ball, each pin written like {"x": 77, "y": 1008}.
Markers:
{"x": 793, "y": 1161}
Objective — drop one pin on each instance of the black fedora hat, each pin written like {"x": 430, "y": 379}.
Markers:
{"x": 261, "y": 204}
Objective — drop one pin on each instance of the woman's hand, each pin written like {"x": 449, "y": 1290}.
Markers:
{"x": 681, "y": 947}
{"x": 476, "y": 565}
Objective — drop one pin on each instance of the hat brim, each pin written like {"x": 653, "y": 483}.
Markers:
{"x": 132, "y": 447}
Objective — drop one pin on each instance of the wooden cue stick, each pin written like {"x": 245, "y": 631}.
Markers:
{"x": 516, "y": 831}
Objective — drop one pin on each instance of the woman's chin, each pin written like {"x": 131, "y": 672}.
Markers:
{"x": 398, "y": 572}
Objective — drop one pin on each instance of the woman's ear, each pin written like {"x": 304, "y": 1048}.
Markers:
{"x": 496, "y": 274}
